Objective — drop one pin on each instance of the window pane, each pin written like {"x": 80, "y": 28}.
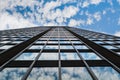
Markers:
{"x": 49, "y": 56}
{"x": 65, "y": 47}
{"x": 36, "y": 47}
{"x": 43, "y": 74}
{"x": 5, "y": 42}
{"x": 109, "y": 47}
{"x": 80, "y": 47}
{"x": 12, "y": 73}
{"x": 75, "y": 73}
{"x": 90, "y": 56}
{"x": 69, "y": 56}
{"x": 106, "y": 73}
{"x": 51, "y": 47}
{"x": 6, "y": 46}
{"x": 27, "y": 56}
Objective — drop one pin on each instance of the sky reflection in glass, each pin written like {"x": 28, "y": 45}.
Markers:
{"x": 51, "y": 47}
{"x": 36, "y": 47}
{"x": 106, "y": 73}
{"x": 49, "y": 56}
{"x": 6, "y": 46}
{"x": 12, "y": 73}
{"x": 69, "y": 56}
{"x": 43, "y": 74}
{"x": 90, "y": 56}
{"x": 109, "y": 47}
{"x": 80, "y": 47}
{"x": 27, "y": 56}
{"x": 75, "y": 73}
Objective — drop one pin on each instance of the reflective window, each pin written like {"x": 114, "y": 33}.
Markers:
{"x": 40, "y": 42}
{"x": 52, "y": 42}
{"x": 75, "y": 73}
{"x": 49, "y": 56}
{"x": 64, "y": 41}
{"x": 69, "y": 56}
{"x": 76, "y": 42}
{"x": 12, "y": 73}
{"x": 106, "y": 73}
{"x": 27, "y": 56}
{"x": 36, "y": 47}
{"x": 80, "y": 47}
{"x": 109, "y": 47}
{"x": 51, "y": 47}
{"x": 5, "y": 42}
{"x": 90, "y": 56}
{"x": 43, "y": 74}
{"x": 6, "y": 46}
{"x": 65, "y": 47}
{"x": 17, "y": 41}
{"x": 99, "y": 42}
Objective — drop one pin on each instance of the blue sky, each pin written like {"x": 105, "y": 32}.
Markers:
{"x": 96, "y": 15}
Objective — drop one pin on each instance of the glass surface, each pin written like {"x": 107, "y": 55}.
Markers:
{"x": 17, "y": 41}
{"x": 12, "y": 73}
{"x": 52, "y": 42}
{"x": 36, "y": 47}
{"x": 75, "y": 73}
{"x": 118, "y": 53}
{"x": 40, "y": 41}
{"x": 66, "y": 47}
{"x": 69, "y": 56}
{"x": 109, "y": 47}
{"x": 43, "y": 74}
{"x": 106, "y": 73}
{"x": 90, "y": 56}
{"x": 80, "y": 47}
{"x": 110, "y": 42}
{"x": 49, "y": 56}
{"x": 6, "y": 46}
{"x": 76, "y": 42}
{"x": 51, "y": 47}
{"x": 4, "y": 41}
{"x": 27, "y": 56}
{"x": 99, "y": 42}
{"x": 64, "y": 42}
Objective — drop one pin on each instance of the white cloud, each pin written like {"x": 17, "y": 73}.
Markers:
{"x": 97, "y": 16}
{"x": 11, "y": 22}
{"x": 89, "y": 21}
{"x": 85, "y": 4}
{"x": 104, "y": 12}
{"x": 69, "y": 11}
{"x": 118, "y": 1}
{"x": 75, "y": 23}
{"x": 117, "y": 33}
{"x": 96, "y": 2}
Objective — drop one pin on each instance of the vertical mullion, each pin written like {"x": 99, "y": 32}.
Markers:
{"x": 59, "y": 61}
{"x": 87, "y": 66}
{"x": 31, "y": 66}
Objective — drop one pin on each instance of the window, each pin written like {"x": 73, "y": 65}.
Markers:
{"x": 75, "y": 73}
{"x": 89, "y": 56}
{"x": 12, "y": 73}
{"x": 106, "y": 73}
{"x": 49, "y": 56}
{"x": 27, "y": 56}
{"x": 44, "y": 74}
{"x": 69, "y": 56}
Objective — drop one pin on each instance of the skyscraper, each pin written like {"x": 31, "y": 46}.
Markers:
{"x": 58, "y": 53}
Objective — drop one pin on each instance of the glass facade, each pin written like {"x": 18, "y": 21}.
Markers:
{"x": 58, "y": 53}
